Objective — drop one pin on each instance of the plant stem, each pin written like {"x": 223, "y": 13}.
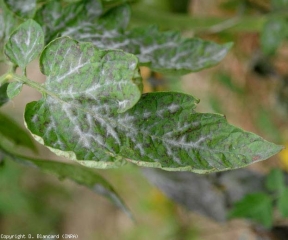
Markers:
{"x": 32, "y": 84}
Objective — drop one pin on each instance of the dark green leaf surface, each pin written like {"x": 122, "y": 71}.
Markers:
{"x": 282, "y": 203}
{"x": 81, "y": 175}
{"x": 257, "y": 207}
{"x": 274, "y": 32}
{"x": 14, "y": 88}
{"x": 87, "y": 114}
{"x": 275, "y": 180}
{"x": 162, "y": 51}
{"x": 56, "y": 18}
{"x": 3, "y": 94}
{"x": 25, "y": 44}
{"x": 12, "y": 131}
{"x": 23, "y": 8}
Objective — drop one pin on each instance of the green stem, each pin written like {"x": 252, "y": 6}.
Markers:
{"x": 32, "y": 84}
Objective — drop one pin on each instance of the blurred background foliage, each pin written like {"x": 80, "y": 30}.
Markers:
{"x": 250, "y": 86}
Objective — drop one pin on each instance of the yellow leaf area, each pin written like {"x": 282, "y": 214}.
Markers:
{"x": 283, "y": 155}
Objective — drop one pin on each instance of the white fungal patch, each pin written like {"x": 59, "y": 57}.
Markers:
{"x": 71, "y": 71}
{"x": 132, "y": 65}
{"x": 35, "y": 118}
{"x": 173, "y": 108}
{"x": 141, "y": 149}
{"x": 123, "y": 103}
{"x": 146, "y": 114}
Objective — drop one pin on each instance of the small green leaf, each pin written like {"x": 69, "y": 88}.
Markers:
{"x": 274, "y": 32}
{"x": 257, "y": 207}
{"x": 25, "y": 44}
{"x": 282, "y": 203}
{"x": 275, "y": 180}
{"x": 23, "y": 8}
{"x": 14, "y": 89}
{"x": 81, "y": 175}
{"x": 3, "y": 94}
{"x": 12, "y": 131}
{"x": 90, "y": 112}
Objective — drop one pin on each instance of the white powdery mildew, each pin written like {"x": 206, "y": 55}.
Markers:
{"x": 72, "y": 70}
{"x": 127, "y": 119}
{"x": 109, "y": 129}
{"x": 141, "y": 148}
{"x": 35, "y": 118}
{"x": 172, "y": 154}
{"x": 173, "y": 108}
{"x": 51, "y": 127}
{"x": 211, "y": 56}
{"x": 123, "y": 103}
{"x": 146, "y": 114}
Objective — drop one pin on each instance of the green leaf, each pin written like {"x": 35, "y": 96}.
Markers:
{"x": 274, "y": 32}
{"x": 161, "y": 51}
{"x": 257, "y": 207}
{"x": 12, "y": 131}
{"x": 87, "y": 114}
{"x": 25, "y": 44}
{"x": 14, "y": 89}
{"x": 275, "y": 180}
{"x": 23, "y": 8}
{"x": 3, "y": 94}
{"x": 8, "y": 22}
{"x": 81, "y": 175}
{"x": 55, "y": 18}
{"x": 282, "y": 203}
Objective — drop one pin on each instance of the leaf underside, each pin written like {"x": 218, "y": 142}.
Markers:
{"x": 91, "y": 113}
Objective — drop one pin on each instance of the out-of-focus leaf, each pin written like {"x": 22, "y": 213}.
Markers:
{"x": 3, "y": 94}
{"x": 25, "y": 44}
{"x": 14, "y": 89}
{"x": 279, "y": 4}
{"x": 274, "y": 32}
{"x": 12, "y": 131}
{"x": 24, "y": 8}
{"x": 81, "y": 175}
{"x": 257, "y": 207}
{"x": 7, "y": 22}
{"x": 275, "y": 180}
{"x": 282, "y": 203}
{"x": 218, "y": 191}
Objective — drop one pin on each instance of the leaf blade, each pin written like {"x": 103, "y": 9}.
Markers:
{"x": 257, "y": 207}
{"x": 162, "y": 130}
{"x": 14, "y": 88}
{"x": 25, "y": 44}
